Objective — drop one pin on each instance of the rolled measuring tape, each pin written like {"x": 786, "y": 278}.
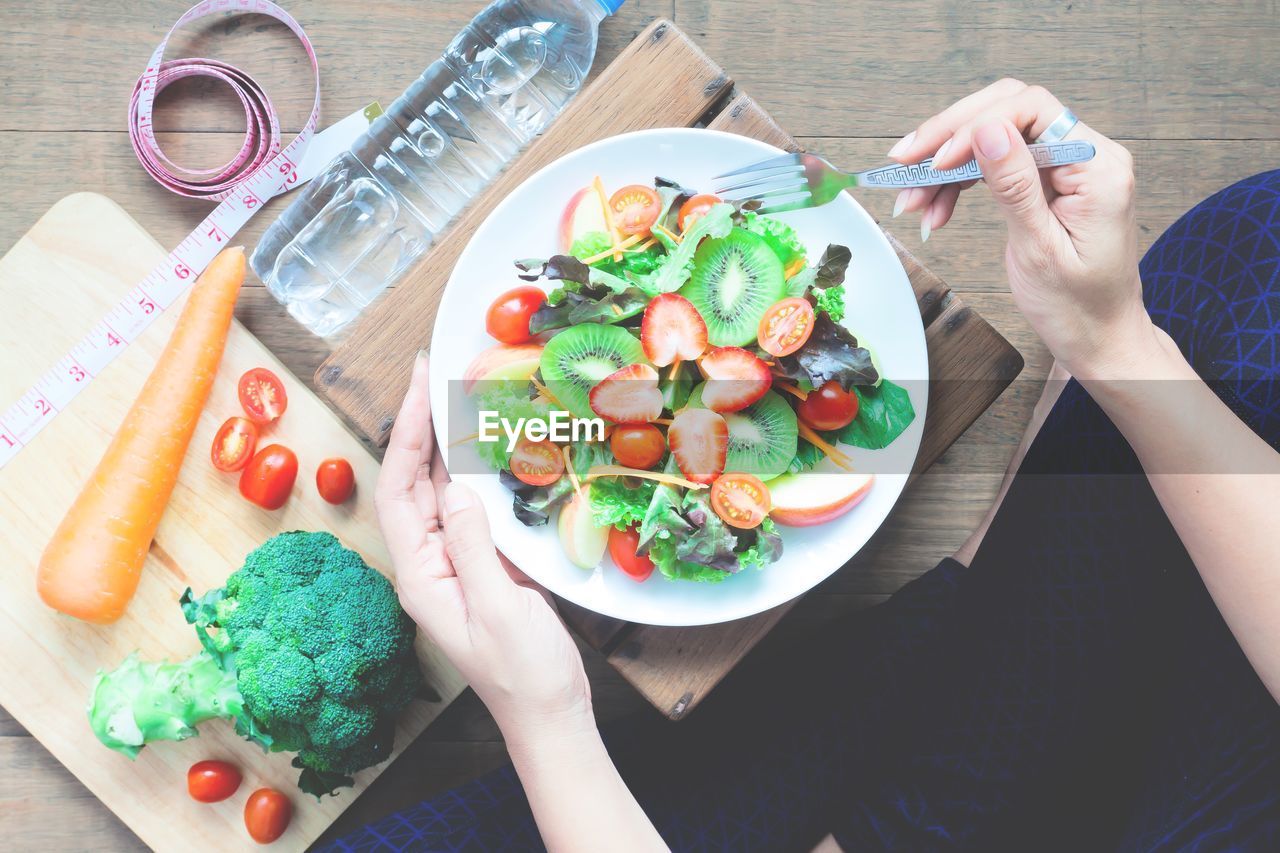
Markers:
{"x": 260, "y": 170}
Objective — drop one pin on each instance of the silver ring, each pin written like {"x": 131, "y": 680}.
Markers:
{"x": 1061, "y": 126}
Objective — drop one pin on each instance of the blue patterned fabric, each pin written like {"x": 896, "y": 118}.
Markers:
{"x": 1073, "y": 689}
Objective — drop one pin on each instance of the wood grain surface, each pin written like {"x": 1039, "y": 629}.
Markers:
{"x": 1184, "y": 85}
{"x": 77, "y": 262}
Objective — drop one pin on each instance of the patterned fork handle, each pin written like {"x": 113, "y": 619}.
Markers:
{"x": 923, "y": 174}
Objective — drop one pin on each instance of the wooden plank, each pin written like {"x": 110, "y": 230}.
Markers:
{"x": 1159, "y": 68}
{"x": 79, "y": 69}
{"x": 89, "y": 252}
{"x": 663, "y": 78}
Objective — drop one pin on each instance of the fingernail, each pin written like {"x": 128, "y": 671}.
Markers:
{"x": 925, "y": 227}
{"x": 458, "y": 497}
{"x": 942, "y": 151}
{"x": 902, "y": 144}
{"x": 900, "y": 203}
{"x": 991, "y": 140}
{"x": 422, "y": 353}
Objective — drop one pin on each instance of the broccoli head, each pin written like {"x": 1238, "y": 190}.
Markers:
{"x": 306, "y": 650}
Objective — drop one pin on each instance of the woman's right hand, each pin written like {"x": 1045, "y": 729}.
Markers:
{"x": 1072, "y": 254}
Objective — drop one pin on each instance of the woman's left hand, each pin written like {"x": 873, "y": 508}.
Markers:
{"x": 495, "y": 625}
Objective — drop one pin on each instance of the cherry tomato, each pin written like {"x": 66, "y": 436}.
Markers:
{"x": 509, "y": 315}
{"x": 335, "y": 480}
{"x": 742, "y": 500}
{"x": 537, "y": 463}
{"x": 268, "y": 478}
{"x": 212, "y": 781}
{"x": 638, "y": 445}
{"x": 828, "y": 407}
{"x": 266, "y": 815}
{"x": 786, "y": 326}
{"x": 262, "y": 396}
{"x": 635, "y": 208}
{"x": 696, "y": 208}
{"x": 233, "y": 445}
{"x": 622, "y": 548}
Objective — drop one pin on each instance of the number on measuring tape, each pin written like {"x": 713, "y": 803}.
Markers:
{"x": 263, "y": 170}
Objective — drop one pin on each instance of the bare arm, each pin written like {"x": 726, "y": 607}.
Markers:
{"x": 503, "y": 634}
{"x": 1073, "y": 271}
{"x": 1218, "y": 482}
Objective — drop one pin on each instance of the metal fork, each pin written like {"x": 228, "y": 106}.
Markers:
{"x": 795, "y": 181}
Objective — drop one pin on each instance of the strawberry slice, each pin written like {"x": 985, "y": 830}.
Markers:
{"x": 736, "y": 378}
{"x": 672, "y": 330}
{"x": 628, "y": 396}
{"x": 699, "y": 440}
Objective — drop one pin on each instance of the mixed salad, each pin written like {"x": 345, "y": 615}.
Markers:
{"x": 713, "y": 348}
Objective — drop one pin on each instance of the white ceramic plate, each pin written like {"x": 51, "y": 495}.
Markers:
{"x": 881, "y": 311}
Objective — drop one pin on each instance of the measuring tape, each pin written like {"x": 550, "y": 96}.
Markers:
{"x": 260, "y": 170}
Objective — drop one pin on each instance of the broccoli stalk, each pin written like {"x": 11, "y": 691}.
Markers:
{"x": 306, "y": 650}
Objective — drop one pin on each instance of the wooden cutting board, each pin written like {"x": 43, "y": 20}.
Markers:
{"x": 63, "y": 275}
{"x": 661, "y": 80}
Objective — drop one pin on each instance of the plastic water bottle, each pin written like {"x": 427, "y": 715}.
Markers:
{"x": 361, "y": 222}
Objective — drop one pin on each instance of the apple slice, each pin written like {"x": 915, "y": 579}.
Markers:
{"x": 699, "y": 440}
{"x": 583, "y": 214}
{"x": 583, "y": 542}
{"x": 816, "y": 497}
{"x": 672, "y": 330}
{"x": 628, "y": 396}
{"x": 504, "y": 361}
{"x": 736, "y": 378}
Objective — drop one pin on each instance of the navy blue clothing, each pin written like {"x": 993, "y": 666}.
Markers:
{"x": 1073, "y": 689}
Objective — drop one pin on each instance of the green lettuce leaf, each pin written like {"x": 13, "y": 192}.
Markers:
{"x": 884, "y": 411}
{"x": 780, "y": 236}
{"x": 677, "y": 265}
{"x": 514, "y": 399}
{"x": 620, "y": 501}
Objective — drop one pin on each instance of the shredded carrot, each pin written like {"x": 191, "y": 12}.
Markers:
{"x": 627, "y": 243}
{"x": 573, "y": 475}
{"x": 91, "y": 567}
{"x": 675, "y": 238}
{"x": 616, "y": 310}
{"x": 791, "y": 388}
{"x": 643, "y": 246}
{"x": 675, "y": 370}
{"x": 464, "y": 439}
{"x": 621, "y": 471}
{"x": 544, "y": 391}
{"x": 816, "y": 440}
{"x": 663, "y": 421}
{"x": 598, "y": 185}
{"x": 793, "y": 268}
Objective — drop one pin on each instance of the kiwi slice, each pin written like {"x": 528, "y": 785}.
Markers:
{"x": 762, "y": 437}
{"x": 735, "y": 280}
{"x": 576, "y": 359}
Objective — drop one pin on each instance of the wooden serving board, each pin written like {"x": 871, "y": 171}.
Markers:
{"x": 61, "y": 277}
{"x": 661, "y": 80}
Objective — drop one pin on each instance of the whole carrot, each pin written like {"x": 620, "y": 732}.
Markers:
{"x": 91, "y": 566}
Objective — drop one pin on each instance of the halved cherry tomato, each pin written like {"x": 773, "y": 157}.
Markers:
{"x": 266, "y": 815}
{"x": 637, "y": 445}
{"x": 635, "y": 208}
{"x": 268, "y": 478}
{"x": 262, "y": 396}
{"x": 212, "y": 781}
{"x": 233, "y": 445}
{"x": 741, "y": 499}
{"x": 786, "y": 326}
{"x": 509, "y": 315}
{"x": 537, "y": 463}
{"x": 696, "y": 208}
{"x": 828, "y": 407}
{"x": 335, "y": 480}
{"x": 622, "y": 548}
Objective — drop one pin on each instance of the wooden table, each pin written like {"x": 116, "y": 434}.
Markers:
{"x": 1174, "y": 94}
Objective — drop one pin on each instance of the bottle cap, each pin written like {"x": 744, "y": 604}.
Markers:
{"x": 612, "y": 6}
